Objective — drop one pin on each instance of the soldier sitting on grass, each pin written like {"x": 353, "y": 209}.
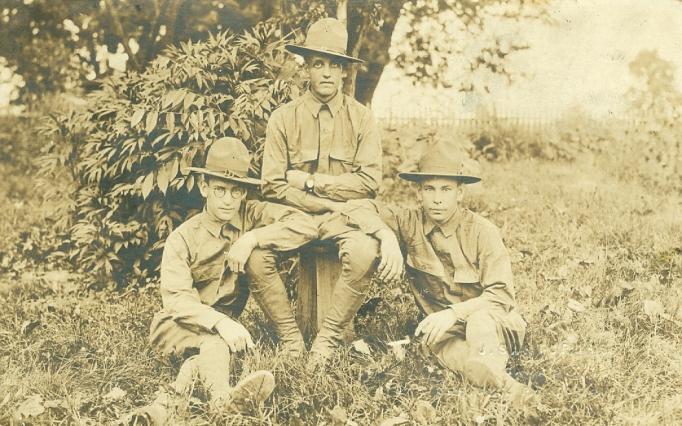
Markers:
{"x": 460, "y": 271}
{"x": 203, "y": 285}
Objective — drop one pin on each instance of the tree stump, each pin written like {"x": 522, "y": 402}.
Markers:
{"x": 319, "y": 269}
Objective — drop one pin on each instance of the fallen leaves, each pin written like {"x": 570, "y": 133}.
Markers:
{"x": 31, "y": 407}
{"x": 653, "y": 309}
{"x": 575, "y": 306}
{"x": 362, "y": 347}
{"x": 114, "y": 394}
{"x": 424, "y": 413}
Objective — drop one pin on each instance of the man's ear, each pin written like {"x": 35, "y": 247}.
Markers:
{"x": 203, "y": 186}
{"x": 462, "y": 190}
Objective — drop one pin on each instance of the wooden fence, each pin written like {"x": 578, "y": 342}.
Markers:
{"x": 477, "y": 123}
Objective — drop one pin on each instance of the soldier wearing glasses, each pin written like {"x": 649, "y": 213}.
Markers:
{"x": 203, "y": 282}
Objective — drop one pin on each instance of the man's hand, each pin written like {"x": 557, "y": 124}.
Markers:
{"x": 391, "y": 265}
{"x": 434, "y": 326}
{"x": 240, "y": 251}
{"x": 234, "y": 334}
{"x": 297, "y": 178}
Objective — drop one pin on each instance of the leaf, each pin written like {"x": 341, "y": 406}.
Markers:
{"x": 190, "y": 182}
{"x": 28, "y": 326}
{"x": 395, "y": 421}
{"x": 173, "y": 167}
{"x": 424, "y": 413}
{"x": 211, "y": 119}
{"x": 339, "y": 416}
{"x": 167, "y": 100}
{"x": 653, "y": 309}
{"x": 147, "y": 185}
{"x": 31, "y": 407}
{"x": 137, "y": 117}
{"x": 362, "y": 347}
{"x": 152, "y": 118}
{"x": 162, "y": 178}
{"x": 188, "y": 99}
{"x": 177, "y": 97}
{"x": 170, "y": 121}
{"x": 115, "y": 394}
{"x": 575, "y": 306}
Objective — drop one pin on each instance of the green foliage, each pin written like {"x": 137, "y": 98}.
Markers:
{"x": 463, "y": 42}
{"x": 29, "y": 239}
{"x": 130, "y": 151}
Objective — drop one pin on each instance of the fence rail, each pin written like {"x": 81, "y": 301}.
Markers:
{"x": 481, "y": 123}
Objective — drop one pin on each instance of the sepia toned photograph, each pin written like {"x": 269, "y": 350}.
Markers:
{"x": 341, "y": 212}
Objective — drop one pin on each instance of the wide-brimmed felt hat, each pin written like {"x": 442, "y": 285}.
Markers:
{"x": 444, "y": 160}
{"x": 228, "y": 159}
{"x": 327, "y": 36}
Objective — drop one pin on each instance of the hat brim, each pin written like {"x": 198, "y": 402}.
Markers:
{"x": 244, "y": 180}
{"x": 418, "y": 177}
{"x": 305, "y": 51}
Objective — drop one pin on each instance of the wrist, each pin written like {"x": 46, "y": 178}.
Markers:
{"x": 222, "y": 323}
{"x": 251, "y": 239}
{"x": 385, "y": 235}
{"x": 309, "y": 183}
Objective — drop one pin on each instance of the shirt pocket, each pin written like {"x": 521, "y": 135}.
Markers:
{"x": 344, "y": 153}
{"x": 204, "y": 275}
{"x": 418, "y": 258}
{"x": 302, "y": 158}
{"x": 465, "y": 276}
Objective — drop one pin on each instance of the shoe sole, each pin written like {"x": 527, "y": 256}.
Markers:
{"x": 252, "y": 390}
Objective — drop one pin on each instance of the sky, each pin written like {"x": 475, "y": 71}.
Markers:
{"x": 580, "y": 61}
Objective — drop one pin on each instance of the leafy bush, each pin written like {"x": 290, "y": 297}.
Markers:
{"x": 129, "y": 152}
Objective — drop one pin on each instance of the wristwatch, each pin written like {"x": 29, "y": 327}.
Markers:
{"x": 309, "y": 184}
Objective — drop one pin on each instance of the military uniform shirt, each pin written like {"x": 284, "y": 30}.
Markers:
{"x": 462, "y": 264}
{"x": 196, "y": 288}
{"x": 338, "y": 142}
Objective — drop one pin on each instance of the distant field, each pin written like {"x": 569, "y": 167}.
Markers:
{"x": 598, "y": 267}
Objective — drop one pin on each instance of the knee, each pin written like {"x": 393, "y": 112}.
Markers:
{"x": 480, "y": 323}
{"x": 358, "y": 253}
{"x": 261, "y": 266}
{"x": 483, "y": 338}
{"x": 212, "y": 343}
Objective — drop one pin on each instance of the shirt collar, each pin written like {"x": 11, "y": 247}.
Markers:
{"x": 448, "y": 228}
{"x": 314, "y": 105}
{"x": 214, "y": 226}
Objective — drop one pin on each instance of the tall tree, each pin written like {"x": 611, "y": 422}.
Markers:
{"x": 57, "y": 44}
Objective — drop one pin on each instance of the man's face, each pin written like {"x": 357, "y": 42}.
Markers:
{"x": 326, "y": 76}
{"x": 440, "y": 197}
{"x": 223, "y": 198}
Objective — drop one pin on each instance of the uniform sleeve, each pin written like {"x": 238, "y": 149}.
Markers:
{"x": 177, "y": 291}
{"x": 275, "y": 166}
{"x": 372, "y": 216}
{"x": 363, "y": 181}
{"x": 279, "y": 227}
{"x": 495, "y": 274}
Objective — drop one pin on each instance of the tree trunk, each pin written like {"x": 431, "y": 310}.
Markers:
{"x": 369, "y": 44}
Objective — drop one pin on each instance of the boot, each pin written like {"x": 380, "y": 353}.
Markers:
{"x": 159, "y": 411}
{"x": 251, "y": 391}
{"x": 347, "y": 301}
{"x": 213, "y": 366}
{"x": 274, "y": 302}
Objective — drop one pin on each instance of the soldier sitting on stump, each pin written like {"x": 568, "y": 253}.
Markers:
{"x": 321, "y": 150}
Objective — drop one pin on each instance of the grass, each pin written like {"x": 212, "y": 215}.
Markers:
{"x": 595, "y": 257}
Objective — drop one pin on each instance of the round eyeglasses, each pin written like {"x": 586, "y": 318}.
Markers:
{"x": 235, "y": 191}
